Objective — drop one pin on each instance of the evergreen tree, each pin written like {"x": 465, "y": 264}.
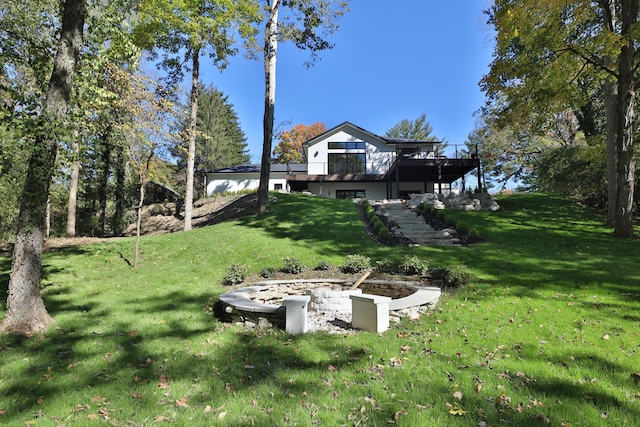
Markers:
{"x": 220, "y": 142}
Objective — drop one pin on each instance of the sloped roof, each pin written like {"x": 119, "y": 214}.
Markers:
{"x": 344, "y": 126}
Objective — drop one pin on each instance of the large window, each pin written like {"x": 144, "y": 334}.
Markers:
{"x": 351, "y": 145}
{"x": 350, "y": 194}
{"x": 342, "y": 163}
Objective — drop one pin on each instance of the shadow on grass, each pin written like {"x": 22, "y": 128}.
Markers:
{"x": 333, "y": 224}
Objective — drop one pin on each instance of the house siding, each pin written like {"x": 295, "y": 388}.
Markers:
{"x": 234, "y": 182}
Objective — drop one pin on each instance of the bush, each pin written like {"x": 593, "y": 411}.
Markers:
{"x": 377, "y": 224}
{"x": 414, "y": 266}
{"x": 383, "y": 234}
{"x": 268, "y": 272}
{"x": 474, "y": 233}
{"x": 323, "y": 266}
{"x": 356, "y": 264}
{"x": 292, "y": 266}
{"x": 462, "y": 227}
{"x": 235, "y": 275}
{"x": 387, "y": 266}
{"x": 453, "y": 277}
{"x": 371, "y": 213}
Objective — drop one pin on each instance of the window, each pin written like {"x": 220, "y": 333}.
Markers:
{"x": 277, "y": 186}
{"x": 342, "y": 163}
{"x": 351, "y": 145}
{"x": 350, "y": 194}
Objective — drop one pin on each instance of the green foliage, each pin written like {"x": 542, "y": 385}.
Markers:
{"x": 387, "y": 266}
{"x": 236, "y": 274}
{"x": 414, "y": 266}
{"x": 383, "y": 234}
{"x": 419, "y": 129}
{"x": 377, "y": 224}
{"x": 268, "y": 272}
{"x": 356, "y": 264}
{"x": 578, "y": 172}
{"x": 323, "y": 265}
{"x": 220, "y": 141}
{"x": 474, "y": 233}
{"x": 455, "y": 276}
{"x": 292, "y": 266}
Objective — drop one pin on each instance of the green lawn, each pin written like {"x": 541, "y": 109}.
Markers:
{"x": 547, "y": 334}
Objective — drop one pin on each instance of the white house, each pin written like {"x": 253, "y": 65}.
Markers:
{"x": 349, "y": 161}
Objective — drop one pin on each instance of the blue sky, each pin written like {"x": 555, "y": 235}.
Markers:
{"x": 389, "y": 63}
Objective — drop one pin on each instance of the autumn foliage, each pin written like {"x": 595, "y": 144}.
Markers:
{"x": 289, "y": 149}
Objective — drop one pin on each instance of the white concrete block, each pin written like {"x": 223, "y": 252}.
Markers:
{"x": 370, "y": 312}
{"x": 296, "y": 317}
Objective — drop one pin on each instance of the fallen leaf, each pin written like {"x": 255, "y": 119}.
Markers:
{"x": 605, "y": 337}
{"x": 182, "y": 402}
{"x": 136, "y": 395}
{"x": 221, "y": 415}
{"x": 457, "y": 395}
{"x": 331, "y": 368}
{"x": 40, "y": 400}
{"x": 478, "y": 388}
{"x": 92, "y": 416}
{"x": 160, "y": 418}
{"x": 455, "y": 410}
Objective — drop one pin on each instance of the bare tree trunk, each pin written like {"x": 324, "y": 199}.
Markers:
{"x": 119, "y": 192}
{"x": 191, "y": 155}
{"x": 623, "y": 226}
{"x": 26, "y": 313}
{"x": 138, "y": 224}
{"x": 270, "y": 53}
{"x": 610, "y": 105}
{"x": 73, "y": 187}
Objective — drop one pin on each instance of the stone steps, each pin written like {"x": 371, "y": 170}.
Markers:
{"x": 412, "y": 226}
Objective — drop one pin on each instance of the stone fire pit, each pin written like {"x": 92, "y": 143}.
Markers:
{"x": 330, "y": 304}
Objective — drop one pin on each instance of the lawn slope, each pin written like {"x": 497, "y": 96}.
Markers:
{"x": 549, "y": 332}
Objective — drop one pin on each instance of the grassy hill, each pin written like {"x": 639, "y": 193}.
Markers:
{"x": 548, "y": 333}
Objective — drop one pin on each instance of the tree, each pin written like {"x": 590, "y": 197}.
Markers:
{"x": 26, "y": 312}
{"x": 220, "y": 141}
{"x": 27, "y": 38}
{"x": 289, "y": 149}
{"x": 419, "y": 129}
{"x": 308, "y": 24}
{"x": 184, "y": 31}
{"x": 547, "y": 50}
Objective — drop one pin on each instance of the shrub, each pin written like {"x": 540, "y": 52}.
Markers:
{"x": 422, "y": 206}
{"x": 462, "y": 227}
{"x": 474, "y": 233}
{"x": 387, "y": 266}
{"x": 235, "y": 275}
{"x": 453, "y": 277}
{"x": 292, "y": 266}
{"x": 268, "y": 272}
{"x": 414, "y": 266}
{"x": 383, "y": 234}
{"x": 440, "y": 214}
{"x": 356, "y": 264}
{"x": 323, "y": 266}
{"x": 377, "y": 224}
{"x": 371, "y": 213}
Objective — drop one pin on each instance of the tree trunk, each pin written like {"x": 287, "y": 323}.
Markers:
{"x": 610, "y": 105}
{"x": 139, "y": 223}
{"x": 270, "y": 53}
{"x": 623, "y": 226}
{"x": 103, "y": 180}
{"x": 119, "y": 193}
{"x": 191, "y": 155}
{"x": 73, "y": 187}
{"x": 26, "y": 313}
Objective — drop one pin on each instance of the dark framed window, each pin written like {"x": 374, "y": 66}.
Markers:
{"x": 350, "y": 194}
{"x": 350, "y": 145}
{"x": 342, "y": 163}
{"x": 277, "y": 186}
